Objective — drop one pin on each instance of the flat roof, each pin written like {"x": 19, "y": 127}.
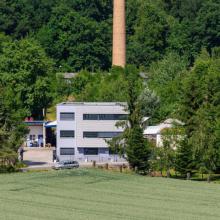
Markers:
{"x": 92, "y": 104}
{"x": 34, "y": 123}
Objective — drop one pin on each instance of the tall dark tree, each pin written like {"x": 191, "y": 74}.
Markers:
{"x": 184, "y": 162}
{"x": 200, "y": 112}
{"x": 12, "y": 131}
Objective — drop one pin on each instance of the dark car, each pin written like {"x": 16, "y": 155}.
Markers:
{"x": 66, "y": 165}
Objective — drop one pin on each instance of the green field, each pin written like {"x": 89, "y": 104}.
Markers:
{"x": 95, "y": 194}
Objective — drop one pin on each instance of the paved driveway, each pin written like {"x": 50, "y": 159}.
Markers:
{"x": 38, "y": 157}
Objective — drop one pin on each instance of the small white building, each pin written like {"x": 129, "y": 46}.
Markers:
{"x": 154, "y": 133}
{"x": 83, "y": 127}
{"x": 36, "y": 135}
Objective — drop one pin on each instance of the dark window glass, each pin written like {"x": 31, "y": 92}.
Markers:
{"x": 90, "y": 134}
{"x": 67, "y": 151}
{"x": 67, "y": 134}
{"x": 105, "y": 117}
{"x": 90, "y": 117}
{"x": 91, "y": 151}
{"x": 94, "y": 134}
{"x": 67, "y": 116}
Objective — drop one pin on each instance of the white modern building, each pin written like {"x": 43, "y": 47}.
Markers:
{"x": 84, "y": 127}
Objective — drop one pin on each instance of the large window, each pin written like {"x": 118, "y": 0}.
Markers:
{"x": 98, "y": 134}
{"x": 91, "y": 151}
{"x": 105, "y": 117}
{"x": 67, "y": 116}
{"x": 67, "y": 134}
{"x": 67, "y": 151}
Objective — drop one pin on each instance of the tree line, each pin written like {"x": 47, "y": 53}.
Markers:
{"x": 172, "y": 46}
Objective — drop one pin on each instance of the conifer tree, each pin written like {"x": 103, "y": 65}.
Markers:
{"x": 184, "y": 158}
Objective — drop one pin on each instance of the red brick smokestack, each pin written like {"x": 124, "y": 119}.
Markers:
{"x": 119, "y": 34}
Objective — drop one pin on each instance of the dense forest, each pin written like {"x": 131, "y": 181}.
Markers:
{"x": 174, "y": 44}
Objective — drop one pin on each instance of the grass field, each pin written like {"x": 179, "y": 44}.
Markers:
{"x": 95, "y": 194}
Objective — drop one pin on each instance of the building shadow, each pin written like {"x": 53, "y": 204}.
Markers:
{"x": 33, "y": 163}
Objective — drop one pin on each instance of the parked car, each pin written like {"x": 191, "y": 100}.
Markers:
{"x": 66, "y": 165}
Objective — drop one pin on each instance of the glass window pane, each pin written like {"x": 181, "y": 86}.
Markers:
{"x": 67, "y": 151}
{"x": 91, "y": 134}
{"x": 65, "y": 133}
{"x": 105, "y": 117}
{"x": 90, "y": 151}
{"x": 67, "y": 116}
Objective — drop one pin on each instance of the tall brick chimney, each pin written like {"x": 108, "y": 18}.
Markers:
{"x": 119, "y": 34}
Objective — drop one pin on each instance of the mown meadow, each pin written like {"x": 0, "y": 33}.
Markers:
{"x": 97, "y": 194}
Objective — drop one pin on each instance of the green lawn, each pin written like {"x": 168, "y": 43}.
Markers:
{"x": 95, "y": 194}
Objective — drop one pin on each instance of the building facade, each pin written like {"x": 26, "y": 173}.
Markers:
{"x": 36, "y": 134}
{"x": 83, "y": 128}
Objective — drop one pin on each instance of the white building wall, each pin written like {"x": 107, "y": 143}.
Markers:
{"x": 34, "y": 130}
{"x": 79, "y": 126}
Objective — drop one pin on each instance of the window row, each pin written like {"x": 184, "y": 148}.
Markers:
{"x": 84, "y": 151}
{"x": 100, "y": 117}
{"x": 89, "y": 134}
{"x": 70, "y": 116}
{"x": 96, "y": 134}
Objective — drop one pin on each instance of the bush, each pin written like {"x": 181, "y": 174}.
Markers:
{"x": 7, "y": 169}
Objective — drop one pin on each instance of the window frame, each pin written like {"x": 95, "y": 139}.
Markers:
{"x": 101, "y": 134}
{"x": 67, "y": 119}
{"x": 89, "y": 154}
{"x": 66, "y": 148}
{"x": 67, "y": 136}
{"x": 105, "y": 117}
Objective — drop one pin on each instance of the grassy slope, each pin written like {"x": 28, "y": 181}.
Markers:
{"x": 91, "y": 194}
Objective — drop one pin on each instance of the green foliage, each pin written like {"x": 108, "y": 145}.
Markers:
{"x": 99, "y": 86}
{"x": 137, "y": 150}
{"x": 21, "y": 17}
{"x": 200, "y": 111}
{"x": 78, "y": 40}
{"x": 132, "y": 143}
{"x": 184, "y": 162}
{"x": 77, "y": 34}
{"x": 165, "y": 154}
{"x": 12, "y": 131}
{"x": 165, "y": 79}
{"x": 39, "y": 38}
{"x": 149, "y": 41}
{"x": 196, "y": 26}
{"x": 27, "y": 71}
